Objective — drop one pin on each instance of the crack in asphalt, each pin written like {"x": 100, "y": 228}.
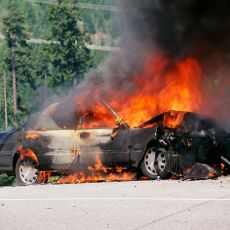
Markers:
{"x": 176, "y": 213}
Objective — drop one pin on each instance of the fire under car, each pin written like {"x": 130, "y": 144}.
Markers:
{"x": 163, "y": 146}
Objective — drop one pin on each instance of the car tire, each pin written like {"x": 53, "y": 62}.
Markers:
{"x": 26, "y": 171}
{"x": 156, "y": 163}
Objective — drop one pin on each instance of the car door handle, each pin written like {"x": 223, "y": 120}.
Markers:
{"x": 85, "y": 135}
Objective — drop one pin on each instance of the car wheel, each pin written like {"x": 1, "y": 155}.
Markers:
{"x": 26, "y": 171}
{"x": 156, "y": 163}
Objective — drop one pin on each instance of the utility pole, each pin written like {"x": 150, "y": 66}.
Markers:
{"x": 5, "y": 100}
{"x": 46, "y": 85}
{"x": 14, "y": 82}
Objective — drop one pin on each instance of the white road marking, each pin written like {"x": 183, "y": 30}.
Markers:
{"x": 114, "y": 198}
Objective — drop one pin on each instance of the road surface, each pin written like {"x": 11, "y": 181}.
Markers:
{"x": 133, "y": 205}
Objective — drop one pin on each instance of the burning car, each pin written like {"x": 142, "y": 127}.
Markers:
{"x": 160, "y": 147}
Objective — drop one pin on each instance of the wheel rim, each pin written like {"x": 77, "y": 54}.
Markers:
{"x": 155, "y": 160}
{"x": 28, "y": 171}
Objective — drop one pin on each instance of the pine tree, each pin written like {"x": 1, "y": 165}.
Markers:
{"x": 18, "y": 59}
{"x": 69, "y": 54}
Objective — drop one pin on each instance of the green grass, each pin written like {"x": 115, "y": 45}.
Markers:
{"x": 6, "y": 180}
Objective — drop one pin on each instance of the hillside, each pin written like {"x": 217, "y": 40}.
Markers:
{"x": 101, "y": 25}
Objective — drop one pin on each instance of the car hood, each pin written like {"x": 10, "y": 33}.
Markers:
{"x": 4, "y": 135}
{"x": 7, "y": 132}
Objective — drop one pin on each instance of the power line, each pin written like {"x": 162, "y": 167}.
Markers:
{"x": 81, "y": 5}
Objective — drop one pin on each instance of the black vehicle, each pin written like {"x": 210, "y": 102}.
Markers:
{"x": 163, "y": 145}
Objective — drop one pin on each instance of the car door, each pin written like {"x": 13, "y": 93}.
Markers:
{"x": 98, "y": 143}
{"x": 55, "y": 146}
{"x": 57, "y": 149}
{"x": 8, "y": 146}
{"x": 61, "y": 151}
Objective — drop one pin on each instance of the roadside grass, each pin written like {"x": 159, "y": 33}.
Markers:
{"x": 53, "y": 179}
{"x": 6, "y": 180}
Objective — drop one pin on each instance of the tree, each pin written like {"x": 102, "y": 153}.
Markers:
{"x": 18, "y": 59}
{"x": 89, "y": 25}
{"x": 69, "y": 54}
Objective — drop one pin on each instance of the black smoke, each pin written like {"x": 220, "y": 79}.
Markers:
{"x": 177, "y": 29}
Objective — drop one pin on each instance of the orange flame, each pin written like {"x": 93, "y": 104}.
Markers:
{"x": 28, "y": 153}
{"x": 172, "y": 119}
{"x": 98, "y": 173}
{"x": 162, "y": 86}
{"x": 44, "y": 176}
{"x": 212, "y": 175}
{"x": 222, "y": 165}
{"x": 162, "y": 90}
{"x": 32, "y": 136}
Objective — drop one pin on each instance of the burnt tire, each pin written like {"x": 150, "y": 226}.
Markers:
{"x": 156, "y": 163}
{"x": 26, "y": 171}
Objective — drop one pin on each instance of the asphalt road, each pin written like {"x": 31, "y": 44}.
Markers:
{"x": 118, "y": 205}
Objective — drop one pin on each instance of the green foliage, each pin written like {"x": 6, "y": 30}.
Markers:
{"x": 99, "y": 57}
{"x": 69, "y": 54}
{"x": 18, "y": 57}
{"x": 89, "y": 25}
{"x": 6, "y": 180}
{"x": 101, "y": 21}
{"x": 39, "y": 66}
{"x": 37, "y": 18}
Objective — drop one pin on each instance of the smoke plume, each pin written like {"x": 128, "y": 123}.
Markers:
{"x": 180, "y": 29}
{"x": 161, "y": 34}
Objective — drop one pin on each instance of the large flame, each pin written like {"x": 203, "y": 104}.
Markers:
{"x": 162, "y": 90}
{"x": 163, "y": 85}
{"x": 98, "y": 173}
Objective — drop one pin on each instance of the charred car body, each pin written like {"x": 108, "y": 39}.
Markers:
{"x": 161, "y": 146}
